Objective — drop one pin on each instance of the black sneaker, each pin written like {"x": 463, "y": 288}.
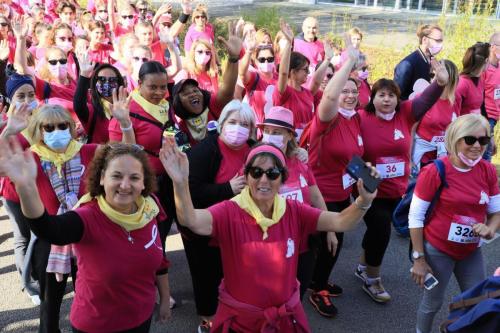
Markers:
{"x": 334, "y": 290}
{"x": 322, "y": 303}
{"x": 204, "y": 326}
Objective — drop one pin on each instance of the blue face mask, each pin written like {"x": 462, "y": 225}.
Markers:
{"x": 57, "y": 139}
{"x": 31, "y": 106}
{"x": 106, "y": 89}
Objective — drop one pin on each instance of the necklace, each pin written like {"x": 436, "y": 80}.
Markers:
{"x": 129, "y": 237}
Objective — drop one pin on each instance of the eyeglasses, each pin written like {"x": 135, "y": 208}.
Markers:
{"x": 329, "y": 76}
{"x": 470, "y": 140}
{"x": 55, "y": 61}
{"x": 4, "y": 24}
{"x": 206, "y": 52}
{"x": 50, "y": 128}
{"x": 347, "y": 92}
{"x": 111, "y": 79}
{"x": 140, "y": 59}
{"x": 127, "y": 17}
{"x": 435, "y": 39}
{"x": 264, "y": 59}
{"x": 200, "y": 16}
{"x": 63, "y": 39}
{"x": 272, "y": 173}
{"x": 102, "y": 11}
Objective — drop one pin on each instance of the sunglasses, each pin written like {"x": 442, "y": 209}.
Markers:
{"x": 264, "y": 59}
{"x": 127, "y": 17}
{"x": 329, "y": 76}
{"x": 55, "y": 61}
{"x": 272, "y": 173}
{"x": 111, "y": 79}
{"x": 63, "y": 39}
{"x": 206, "y": 52}
{"x": 50, "y": 128}
{"x": 140, "y": 59}
{"x": 102, "y": 11}
{"x": 4, "y": 24}
{"x": 200, "y": 16}
{"x": 470, "y": 140}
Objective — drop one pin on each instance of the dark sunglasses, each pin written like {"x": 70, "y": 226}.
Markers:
{"x": 55, "y": 61}
{"x": 200, "y": 16}
{"x": 264, "y": 59}
{"x": 4, "y": 24}
{"x": 271, "y": 174}
{"x": 127, "y": 17}
{"x": 329, "y": 76}
{"x": 143, "y": 59}
{"x": 112, "y": 79}
{"x": 470, "y": 140}
{"x": 50, "y": 128}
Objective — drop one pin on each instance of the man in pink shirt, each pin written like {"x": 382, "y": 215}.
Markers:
{"x": 491, "y": 79}
{"x": 308, "y": 43}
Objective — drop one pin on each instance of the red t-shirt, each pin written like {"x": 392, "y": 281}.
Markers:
{"x": 463, "y": 203}
{"x": 232, "y": 162}
{"x": 7, "y": 188}
{"x": 116, "y": 278}
{"x": 364, "y": 94}
{"x": 329, "y": 154}
{"x": 261, "y": 98}
{"x": 205, "y": 81}
{"x": 101, "y": 125}
{"x": 256, "y": 271}
{"x": 147, "y": 135}
{"x": 101, "y": 54}
{"x": 491, "y": 79}
{"x": 120, "y": 30}
{"x": 300, "y": 177}
{"x": 159, "y": 53}
{"x": 470, "y": 95}
{"x": 387, "y": 146}
{"x": 301, "y": 103}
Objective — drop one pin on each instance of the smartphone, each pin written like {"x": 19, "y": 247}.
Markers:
{"x": 357, "y": 169}
{"x": 430, "y": 281}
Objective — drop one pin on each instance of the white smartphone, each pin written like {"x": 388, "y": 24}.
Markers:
{"x": 430, "y": 281}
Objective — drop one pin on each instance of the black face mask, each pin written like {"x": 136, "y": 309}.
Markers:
{"x": 106, "y": 89}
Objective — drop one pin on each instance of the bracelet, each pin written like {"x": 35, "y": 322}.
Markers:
{"x": 358, "y": 206}
{"x": 126, "y": 129}
{"x": 183, "y": 18}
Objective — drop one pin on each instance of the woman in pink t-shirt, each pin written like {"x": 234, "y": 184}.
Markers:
{"x": 470, "y": 85}
{"x": 6, "y": 34}
{"x": 260, "y": 235}
{"x": 200, "y": 29}
{"x": 63, "y": 37}
{"x": 466, "y": 211}
{"x": 99, "y": 50}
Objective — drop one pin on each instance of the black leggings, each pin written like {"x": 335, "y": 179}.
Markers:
{"x": 325, "y": 261}
{"x": 378, "y": 230}
{"x": 142, "y": 328}
{"x": 307, "y": 261}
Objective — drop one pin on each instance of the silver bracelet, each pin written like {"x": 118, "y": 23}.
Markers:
{"x": 126, "y": 128}
{"x": 365, "y": 208}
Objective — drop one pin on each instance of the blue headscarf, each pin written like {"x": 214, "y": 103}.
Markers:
{"x": 15, "y": 81}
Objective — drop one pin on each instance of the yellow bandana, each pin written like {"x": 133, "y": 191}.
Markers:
{"x": 58, "y": 159}
{"x": 245, "y": 201}
{"x": 147, "y": 210}
{"x": 159, "y": 112}
{"x": 198, "y": 125}
{"x": 107, "y": 108}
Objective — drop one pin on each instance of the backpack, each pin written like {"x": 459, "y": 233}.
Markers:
{"x": 400, "y": 214}
{"x": 476, "y": 309}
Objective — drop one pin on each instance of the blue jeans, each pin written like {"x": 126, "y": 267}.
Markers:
{"x": 488, "y": 154}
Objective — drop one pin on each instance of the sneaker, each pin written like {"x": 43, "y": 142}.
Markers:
{"x": 334, "y": 290}
{"x": 35, "y": 299}
{"x": 360, "y": 274}
{"x": 322, "y": 303}
{"x": 204, "y": 326}
{"x": 377, "y": 291}
{"x": 173, "y": 303}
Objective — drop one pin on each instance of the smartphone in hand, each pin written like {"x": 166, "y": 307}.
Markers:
{"x": 357, "y": 169}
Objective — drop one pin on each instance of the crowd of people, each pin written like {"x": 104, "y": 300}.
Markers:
{"x": 113, "y": 128}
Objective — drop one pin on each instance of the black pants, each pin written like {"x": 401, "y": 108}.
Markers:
{"x": 205, "y": 265}
{"x": 142, "y": 328}
{"x": 378, "y": 230}
{"x": 307, "y": 261}
{"x": 325, "y": 261}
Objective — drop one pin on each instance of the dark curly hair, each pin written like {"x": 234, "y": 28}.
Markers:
{"x": 105, "y": 154}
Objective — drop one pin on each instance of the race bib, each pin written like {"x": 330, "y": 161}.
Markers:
{"x": 293, "y": 195}
{"x": 497, "y": 94}
{"x": 438, "y": 141}
{"x": 390, "y": 167}
{"x": 461, "y": 230}
{"x": 347, "y": 181}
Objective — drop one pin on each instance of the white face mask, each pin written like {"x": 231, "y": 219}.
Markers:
{"x": 236, "y": 135}
{"x": 347, "y": 113}
{"x": 57, "y": 139}
{"x": 433, "y": 50}
{"x": 202, "y": 59}
{"x": 275, "y": 139}
{"x": 60, "y": 71}
{"x": 266, "y": 67}
{"x": 385, "y": 116}
{"x": 470, "y": 163}
{"x": 31, "y": 106}
{"x": 65, "y": 46}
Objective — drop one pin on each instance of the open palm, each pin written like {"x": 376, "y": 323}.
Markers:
{"x": 18, "y": 165}
{"x": 174, "y": 161}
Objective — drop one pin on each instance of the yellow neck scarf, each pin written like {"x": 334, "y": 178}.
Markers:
{"x": 147, "y": 210}
{"x": 107, "y": 108}
{"x": 245, "y": 201}
{"x": 198, "y": 125}
{"x": 58, "y": 159}
{"x": 159, "y": 112}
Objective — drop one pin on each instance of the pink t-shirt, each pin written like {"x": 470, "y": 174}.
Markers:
{"x": 192, "y": 35}
{"x": 261, "y": 98}
{"x": 330, "y": 152}
{"x": 491, "y": 79}
{"x": 387, "y": 146}
{"x": 314, "y": 51}
{"x": 101, "y": 53}
{"x": 232, "y": 162}
{"x": 463, "y": 203}
{"x": 470, "y": 95}
{"x": 205, "y": 81}
{"x": 301, "y": 103}
{"x": 116, "y": 278}
{"x": 250, "y": 263}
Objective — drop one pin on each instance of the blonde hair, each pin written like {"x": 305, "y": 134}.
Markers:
{"x": 261, "y": 34}
{"x": 355, "y": 31}
{"x": 463, "y": 126}
{"x": 56, "y": 28}
{"x": 451, "y": 86}
{"x": 44, "y": 72}
{"x": 49, "y": 113}
{"x": 200, "y": 9}
{"x": 211, "y": 66}
{"x": 425, "y": 30}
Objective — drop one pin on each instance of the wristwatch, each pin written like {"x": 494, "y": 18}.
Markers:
{"x": 417, "y": 255}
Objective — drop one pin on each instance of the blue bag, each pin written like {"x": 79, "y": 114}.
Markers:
{"x": 400, "y": 214}
{"x": 476, "y": 309}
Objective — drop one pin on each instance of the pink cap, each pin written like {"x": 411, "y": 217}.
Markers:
{"x": 266, "y": 149}
{"x": 278, "y": 116}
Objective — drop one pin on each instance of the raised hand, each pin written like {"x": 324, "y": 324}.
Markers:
{"x": 286, "y": 30}
{"x": 187, "y": 6}
{"x": 4, "y": 50}
{"x": 250, "y": 41}
{"x": 439, "y": 69}
{"x": 174, "y": 161}
{"x": 328, "y": 50}
{"x": 120, "y": 108}
{"x": 166, "y": 8}
{"x": 352, "y": 52}
{"x": 18, "y": 120}
{"x": 234, "y": 42}
{"x": 18, "y": 165}
{"x": 19, "y": 27}
{"x": 237, "y": 184}
{"x": 86, "y": 65}
{"x": 165, "y": 36}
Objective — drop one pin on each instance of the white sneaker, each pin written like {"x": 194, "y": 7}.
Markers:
{"x": 173, "y": 303}
{"x": 35, "y": 299}
{"x": 361, "y": 274}
{"x": 377, "y": 291}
